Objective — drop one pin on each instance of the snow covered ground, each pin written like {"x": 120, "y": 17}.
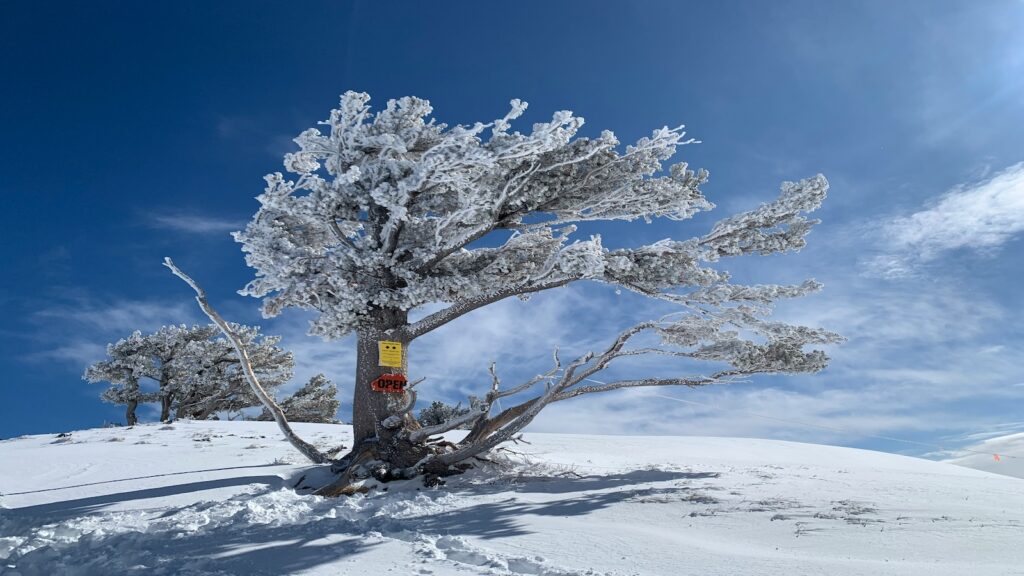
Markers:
{"x": 1002, "y": 455}
{"x": 215, "y": 498}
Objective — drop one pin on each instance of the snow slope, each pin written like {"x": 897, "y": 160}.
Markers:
{"x": 1010, "y": 450}
{"x": 215, "y": 498}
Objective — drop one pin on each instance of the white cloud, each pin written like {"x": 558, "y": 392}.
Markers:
{"x": 79, "y": 353}
{"x": 1003, "y": 429}
{"x": 980, "y": 217}
{"x": 195, "y": 223}
{"x": 519, "y": 336}
{"x": 313, "y": 355}
{"x": 75, "y": 334}
{"x": 88, "y": 320}
{"x": 745, "y": 410}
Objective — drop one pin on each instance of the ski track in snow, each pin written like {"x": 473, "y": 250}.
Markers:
{"x": 216, "y": 498}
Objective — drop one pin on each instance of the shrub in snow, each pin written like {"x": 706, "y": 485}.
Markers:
{"x": 438, "y": 413}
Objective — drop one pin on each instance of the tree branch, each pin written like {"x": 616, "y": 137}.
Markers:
{"x": 341, "y": 236}
{"x": 502, "y": 434}
{"x": 307, "y": 449}
{"x": 689, "y": 382}
{"x": 396, "y": 419}
{"x": 465, "y": 241}
{"x": 490, "y": 432}
{"x": 441, "y": 317}
{"x": 495, "y": 394}
{"x": 423, "y": 433}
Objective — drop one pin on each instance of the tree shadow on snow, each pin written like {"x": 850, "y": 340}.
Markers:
{"x": 235, "y": 547}
{"x": 141, "y": 478}
{"x": 232, "y": 548}
{"x": 585, "y": 495}
{"x": 568, "y": 484}
{"x": 57, "y": 511}
{"x": 240, "y": 547}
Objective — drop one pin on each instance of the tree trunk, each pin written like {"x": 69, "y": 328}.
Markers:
{"x": 383, "y": 451}
{"x": 129, "y": 413}
{"x": 166, "y": 396}
{"x": 369, "y": 408}
{"x": 181, "y": 411}
{"x": 165, "y": 407}
{"x": 379, "y": 426}
{"x": 132, "y": 389}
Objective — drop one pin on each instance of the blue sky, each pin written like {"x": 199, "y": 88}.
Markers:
{"x": 134, "y": 131}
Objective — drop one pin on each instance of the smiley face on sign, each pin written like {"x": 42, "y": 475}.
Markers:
{"x": 389, "y": 353}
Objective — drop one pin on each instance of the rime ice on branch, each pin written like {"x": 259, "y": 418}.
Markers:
{"x": 381, "y": 214}
{"x": 197, "y": 375}
{"x": 317, "y": 401}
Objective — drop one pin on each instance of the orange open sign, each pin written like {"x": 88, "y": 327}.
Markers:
{"x": 389, "y": 383}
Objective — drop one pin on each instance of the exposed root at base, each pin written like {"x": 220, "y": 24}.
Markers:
{"x": 368, "y": 466}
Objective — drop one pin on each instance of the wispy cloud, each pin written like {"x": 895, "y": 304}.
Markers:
{"x": 313, "y": 355}
{"x": 76, "y": 333}
{"x": 195, "y": 223}
{"x": 116, "y": 317}
{"x": 979, "y": 217}
{"x": 76, "y": 353}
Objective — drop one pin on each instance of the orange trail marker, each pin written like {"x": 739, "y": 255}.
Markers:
{"x": 389, "y": 383}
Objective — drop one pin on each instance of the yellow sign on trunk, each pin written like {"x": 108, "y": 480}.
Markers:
{"x": 390, "y": 353}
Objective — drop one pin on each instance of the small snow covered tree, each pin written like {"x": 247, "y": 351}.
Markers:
{"x": 169, "y": 348}
{"x": 196, "y": 374}
{"x": 387, "y": 212}
{"x": 317, "y": 401}
{"x": 209, "y": 377}
{"x": 128, "y": 361}
{"x": 439, "y": 412}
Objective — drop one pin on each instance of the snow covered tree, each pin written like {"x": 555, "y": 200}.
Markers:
{"x": 208, "y": 378}
{"x": 317, "y": 401}
{"x": 387, "y": 212}
{"x": 196, "y": 374}
{"x": 169, "y": 348}
{"x": 128, "y": 361}
{"x": 440, "y": 412}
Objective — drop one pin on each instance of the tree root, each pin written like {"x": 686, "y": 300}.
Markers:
{"x": 369, "y": 465}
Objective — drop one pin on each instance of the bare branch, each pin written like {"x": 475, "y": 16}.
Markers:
{"x": 410, "y": 401}
{"x": 608, "y": 355}
{"x": 307, "y": 449}
{"x": 488, "y": 433}
{"x": 495, "y": 381}
{"x": 689, "y": 382}
{"x": 441, "y": 317}
{"x": 525, "y": 385}
{"x": 501, "y": 435}
{"x": 398, "y": 416}
{"x": 567, "y": 377}
{"x": 423, "y": 433}
{"x": 341, "y": 236}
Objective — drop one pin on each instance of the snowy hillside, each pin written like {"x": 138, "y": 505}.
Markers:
{"x": 215, "y": 498}
{"x": 1010, "y": 452}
